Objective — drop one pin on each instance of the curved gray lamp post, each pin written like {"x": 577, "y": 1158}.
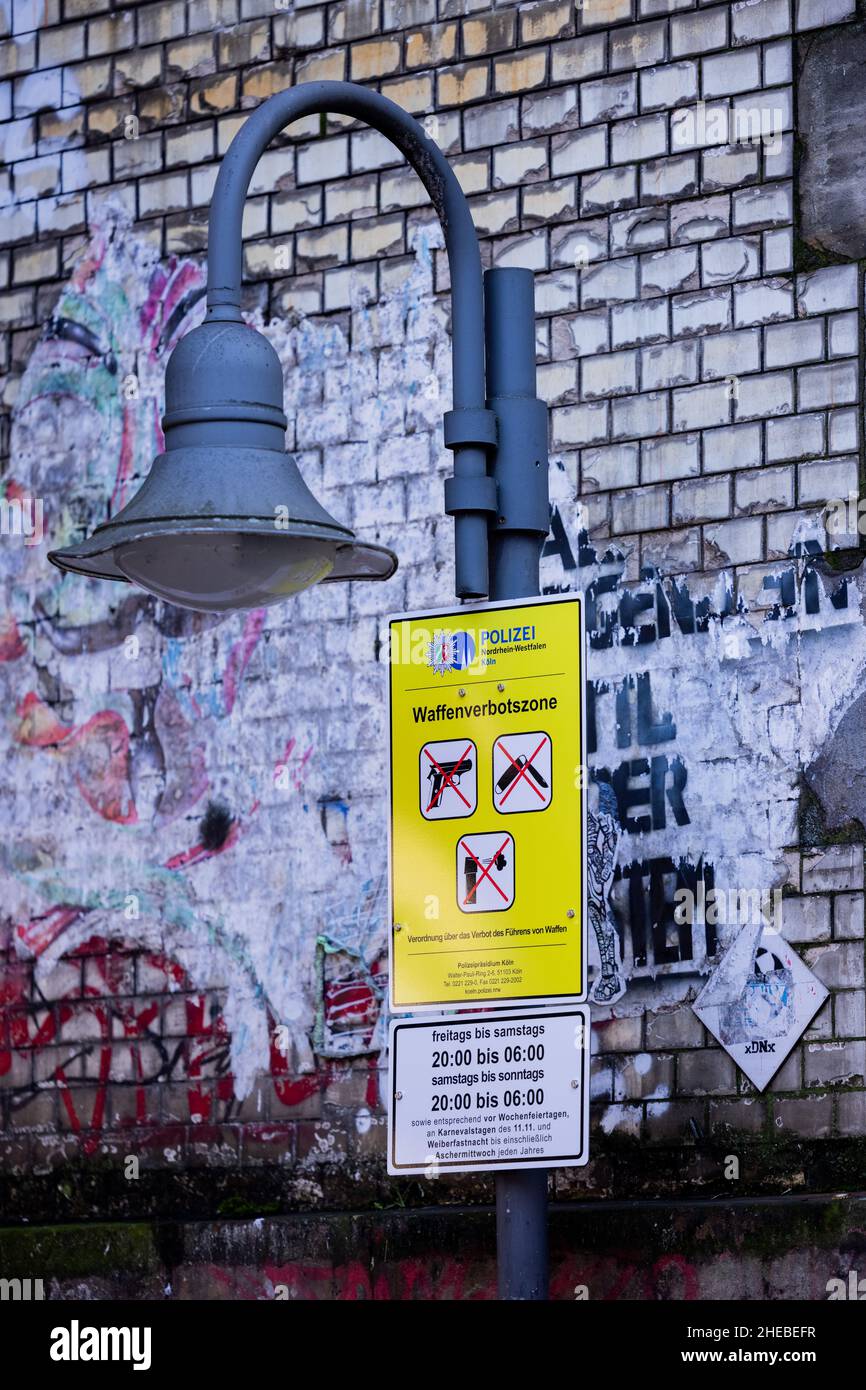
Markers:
{"x": 224, "y": 519}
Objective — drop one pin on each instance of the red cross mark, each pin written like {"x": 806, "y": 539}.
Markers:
{"x": 485, "y": 873}
{"x": 448, "y": 779}
{"x": 522, "y": 770}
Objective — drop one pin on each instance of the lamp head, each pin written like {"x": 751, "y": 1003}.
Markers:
{"x": 224, "y": 519}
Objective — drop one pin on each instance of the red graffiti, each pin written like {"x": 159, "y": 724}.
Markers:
{"x": 98, "y": 752}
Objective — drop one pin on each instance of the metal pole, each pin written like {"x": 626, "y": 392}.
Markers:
{"x": 517, "y": 536}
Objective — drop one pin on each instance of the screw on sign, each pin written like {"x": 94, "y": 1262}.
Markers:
{"x": 522, "y": 772}
{"x": 485, "y": 872}
{"x": 448, "y": 779}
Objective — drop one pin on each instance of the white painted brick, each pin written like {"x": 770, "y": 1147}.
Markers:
{"x": 849, "y": 1008}
{"x": 610, "y": 282}
{"x": 639, "y": 417}
{"x": 801, "y": 436}
{"x": 766, "y": 394}
{"x": 556, "y": 293}
{"x": 701, "y": 126}
{"x": 606, "y": 98}
{"x": 839, "y": 965}
{"x": 782, "y": 527}
{"x": 738, "y": 542}
{"x": 528, "y": 251}
{"x": 638, "y": 46}
{"x": 673, "y": 364}
{"x": 84, "y": 168}
{"x": 672, "y": 552}
{"x": 495, "y": 213}
{"x": 759, "y": 19}
{"x": 764, "y": 490}
{"x": 699, "y": 32}
{"x": 767, "y": 205}
{"x": 613, "y": 374}
{"x": 730, "y": 354}
{"x": 491, "y": 124}
{"x": 727, "y": 168}
{"x": 325, "y": 160}
{"x": 777, "y": 62}
{"x": 701, "y": 407}
{"x": 779, "y": 157}
{"x": 613, "y": 466}
{"x": 642, "y": 138}
{"x": 736, "y": 71}
{"x": 674, "y": 177}
{"x": 701, "y": 499}
{"x": 640, "y": 509}
{"x": 789, "y": 343}
{"x": 644, "y": 321}
{"x": 778, "y": 251}
{"x": 580, "y": 335}
{"x": 831, "y": 287}
{"x": 17, "y": 140}
{"x": 514, "y": 164}
{"x": 736, "y": 258}
{"x": 667, "y": 272}
{"x": 668, "y": 86}
{"x": 848, "y": 917}
{"x": 579, "y": 244}
{"x": 608, "y": 190}
{"x": 57, "y": 214}
{"x": 702, "y": 312}
{"x": 821, "y": 480}
{"x": 648, "y": 7}
{"x": 576, "y": 151}
{"x": 580, "y": 424}
{"x": 734, "y": 446}
{"x": 843, "y": 335}
{"x": 834, "y": 384}
{"x": 558, "y": 382}
{"x": 369, "y": 150}
{"x": 818, "y": 14}
{"x": 638, "y": 229}
{"x": 579, "y": 58}
{"x": 549, "y": 111}
{"x": 843, "y": 431}
{"x": 763, "y": 301}
{"x": 38, "y": 91}
{"x": 701, "y": 218}
{"x": 833, "y": 868}
{"x": 677, "y": 456}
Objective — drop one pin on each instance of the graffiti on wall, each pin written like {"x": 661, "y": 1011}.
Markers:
{"x": 705, "y": 709}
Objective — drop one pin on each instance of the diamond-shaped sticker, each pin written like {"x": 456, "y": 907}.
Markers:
{"x": 758, "y": 1001}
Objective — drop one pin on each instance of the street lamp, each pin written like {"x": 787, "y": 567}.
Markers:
{"x": 224, "y": 519}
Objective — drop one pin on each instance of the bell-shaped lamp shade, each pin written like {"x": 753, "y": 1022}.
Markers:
{"x": 224, "y": 519}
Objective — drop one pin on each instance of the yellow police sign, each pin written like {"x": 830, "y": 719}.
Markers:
{"x": 487, "y": 842}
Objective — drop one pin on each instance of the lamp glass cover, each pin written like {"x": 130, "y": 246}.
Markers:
{"x": 214, "y": 572}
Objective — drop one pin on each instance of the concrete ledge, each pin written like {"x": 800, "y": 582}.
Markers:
{"x": 770, "y": 1248}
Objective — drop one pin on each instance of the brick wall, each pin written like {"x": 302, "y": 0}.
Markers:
{"x": 703, "y": 367}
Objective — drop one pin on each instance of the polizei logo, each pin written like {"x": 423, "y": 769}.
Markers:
{"x": 450, "y": 651}
{"x": 76, "y": 1343}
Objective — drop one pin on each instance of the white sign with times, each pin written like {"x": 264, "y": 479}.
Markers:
{"x": 489, "y": 1091}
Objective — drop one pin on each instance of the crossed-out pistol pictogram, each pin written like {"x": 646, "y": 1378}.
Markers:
{"x": 442, "y": 767}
